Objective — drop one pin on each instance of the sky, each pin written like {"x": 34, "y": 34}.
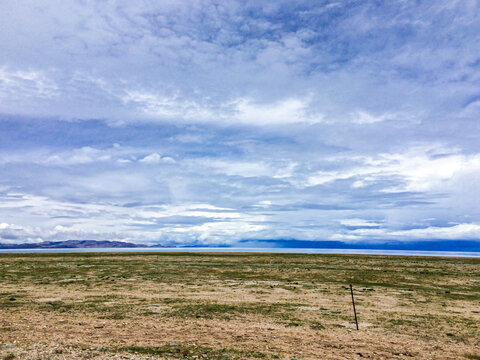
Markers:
{"x": 215, "y": 122}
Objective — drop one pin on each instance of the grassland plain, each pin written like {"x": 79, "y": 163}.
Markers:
{"x": 237, "y": 306}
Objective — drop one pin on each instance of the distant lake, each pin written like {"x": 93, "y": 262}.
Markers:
{"x": 251, "y": 250}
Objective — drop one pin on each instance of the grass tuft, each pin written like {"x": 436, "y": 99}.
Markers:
{"x": 179, "y": 351}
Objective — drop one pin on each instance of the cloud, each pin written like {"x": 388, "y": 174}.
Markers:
{"x": 242, "y": 111}
{"x": 167, "y": 107}
{"x": 83, "y": 155}
{"x": 66, "y": 157}
{"x": 4, "y": 226}
{"x": 20, "y": 84}
{"x": 362, "y": 117}
{"x": 359, "y": 223}
{"x": 460, "y": 231}
{"x": 466, "y": 231}
{"x": 238, "y": 168}
{"x": 156, "y": 158}
{"x": 285, "y": 120}
{"x": 110, "y": 221}
{"x": 283, "y": 112}
{"x": 221, "y": 232}
{"x": 417, "y": 169}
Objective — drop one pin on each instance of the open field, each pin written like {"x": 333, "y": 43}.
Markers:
{"x": 237, "y": 306}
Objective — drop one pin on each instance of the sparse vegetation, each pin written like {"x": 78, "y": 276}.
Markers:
{"x": 472, "y": 356}
{"x": 194, "y": 352}
{"x": 236, "y": 306}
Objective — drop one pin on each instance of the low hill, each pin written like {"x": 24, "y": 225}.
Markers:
{"x": 73, "y": 244}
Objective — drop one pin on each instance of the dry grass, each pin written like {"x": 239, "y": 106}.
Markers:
{"x": 237, "y": 306}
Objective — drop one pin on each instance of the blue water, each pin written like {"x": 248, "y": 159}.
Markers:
{"x": 252, "y": 250}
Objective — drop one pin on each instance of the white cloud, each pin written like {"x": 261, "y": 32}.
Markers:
{"x": 189, "y": 60}
{"x": 156, "y": 158}
{"x": 221, "y": 232}
{"x": 363, "y": 117}
{"x": 151, "y": 159}
{"x": 18, "y": 84}
{"x": 359, "y": 222}
{"x": 167, "y": 107}
{"x": 124, "y": 161}
{"x": 4, "y": 226}
{"x": 84, "y": 155}
{"x": 168, "y": 160}
{"x": 419, "y": 168}
{"x": 240, "y": 111}
{"x": 423, "y": 173}
{"x": 114, "y": 222}
{"x": 238, "y": 168}
{"x": 460, "y": 231}
{"x": 466, "y": 231}
{"x": 287, "y": 111}
{"x": 195, "y": 210}
{"x": 321, "y": 122}
{"x": 323, "y": 177}
{"x": 286, "y": 171}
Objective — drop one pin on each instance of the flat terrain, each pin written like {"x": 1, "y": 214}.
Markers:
{"x": 237, "y": 306}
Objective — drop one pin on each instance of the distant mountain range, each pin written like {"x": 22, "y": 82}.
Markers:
{"x": 75, "y": 244}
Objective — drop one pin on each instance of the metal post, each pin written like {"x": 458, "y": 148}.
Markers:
{"x": 353, "y": 302}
